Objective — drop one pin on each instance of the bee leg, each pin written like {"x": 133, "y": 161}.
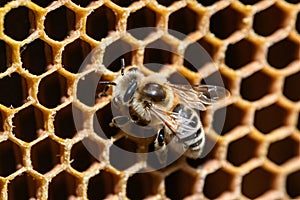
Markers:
{"x": 119, "y": 121}
{"x": 103, "y": 92}
{"x": 106, "y": 83}
{"x": 122, "y": 66}
{"x": 160, "y": 146}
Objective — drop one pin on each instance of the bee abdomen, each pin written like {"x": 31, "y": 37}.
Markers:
{"x": 194, "y": 122}
{"x": 198, "y": 142}
{"x": 191, "y": 137}
{"x": 197, "y": 145}
{"x": 183, "y": 111}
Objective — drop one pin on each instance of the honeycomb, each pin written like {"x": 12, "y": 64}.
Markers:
{"x": 254, "y": 44}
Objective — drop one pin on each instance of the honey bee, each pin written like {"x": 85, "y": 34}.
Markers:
{"x": 171, "y": 109}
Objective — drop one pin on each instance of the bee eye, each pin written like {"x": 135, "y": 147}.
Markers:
{"x": 130, "y": 91}
{"x": 154, "y": 91}
{"x": 161, "y": 137}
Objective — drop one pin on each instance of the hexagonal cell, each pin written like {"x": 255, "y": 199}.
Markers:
{"x": 298, "y": 23}
{"x": 198, "y": 54}
{"x": 179, "y": 184}
{"x": 293, "y": 184}
{"x": 13, "y": 90}
{"x": 59, "y": 23}
{"x": 269, "y": 20}
{"x": 103, "y": 16}
{"x": 165, "y": 2}
{"x": 115, "y": 52}
{"x": 2, "y": 118}
{"x": 45, "y": 155}
{"x": 290, "y": 89}
{"x": 142, "y": 185}
{"x": 124, "y": 3}
{"x": 27, "y": 123}
{"x": 36, "y": 57}
{"x": 242, "y": 150}
{"x": 225, "y": 22}
{"x": 52, "y": 89}
{"x": 251, "y": 87}
{"x": 123, "y": 154}
{"x": 88, "y": 88}
{"x": 177, "y": 78}
{"x": 19, "y": 29}
{"x": 5, "y": 56}
{"x": 83, "y": 3}
{"x": 207, "y": 2}
{"x": 4, "y": 2}
{"x": 142, "y": 18}
{"x": 74, "y": 55}
{"x": 257, "y": 182}
{"x": 293, "y": 1}
{"x": 157, "y": 54}
{"x": 102, "y": 119}
{"x": 43, "y": 4}
{"x": 210, "y": 48}
{"x": 184, "y": 21}
{"x": 102, "y": 185}
{"x": 10, "y": 158}
{"x": 283, "y": 53}
{"x": 298, "y": 124}
{"x": 63, "y": 186}
{"x": 270, "y": 118}
{"x": 249, "y": 2}
{"x": 217, "y": 183}
{"x": 281, "y": 151}
{"x": 233, "y": 116}
{"x": 64, "y": 123}
{"x": 217, "y": 79}
{"x": 240, "y": 54}
{"x": 81, "y": 158}
{"x": 23, "y": 187}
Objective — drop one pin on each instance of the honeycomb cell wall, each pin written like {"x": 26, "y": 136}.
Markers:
{"x": 46, "y": 123}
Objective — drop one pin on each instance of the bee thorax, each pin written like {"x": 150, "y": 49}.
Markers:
{"x": 154, "y": 91}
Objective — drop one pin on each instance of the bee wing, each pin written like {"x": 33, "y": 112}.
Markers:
{"x": 177, "y": 124}
{"x": 197, "y": 96}
{"x": 210, "y": 94}
{"x": 187, "y": 95}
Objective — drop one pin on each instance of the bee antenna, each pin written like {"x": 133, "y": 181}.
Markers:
{"x": 122, "y": 66}
{"x": 107, "y": 83}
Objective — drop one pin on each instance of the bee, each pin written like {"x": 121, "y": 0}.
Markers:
{"x": 171, "y": 109}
